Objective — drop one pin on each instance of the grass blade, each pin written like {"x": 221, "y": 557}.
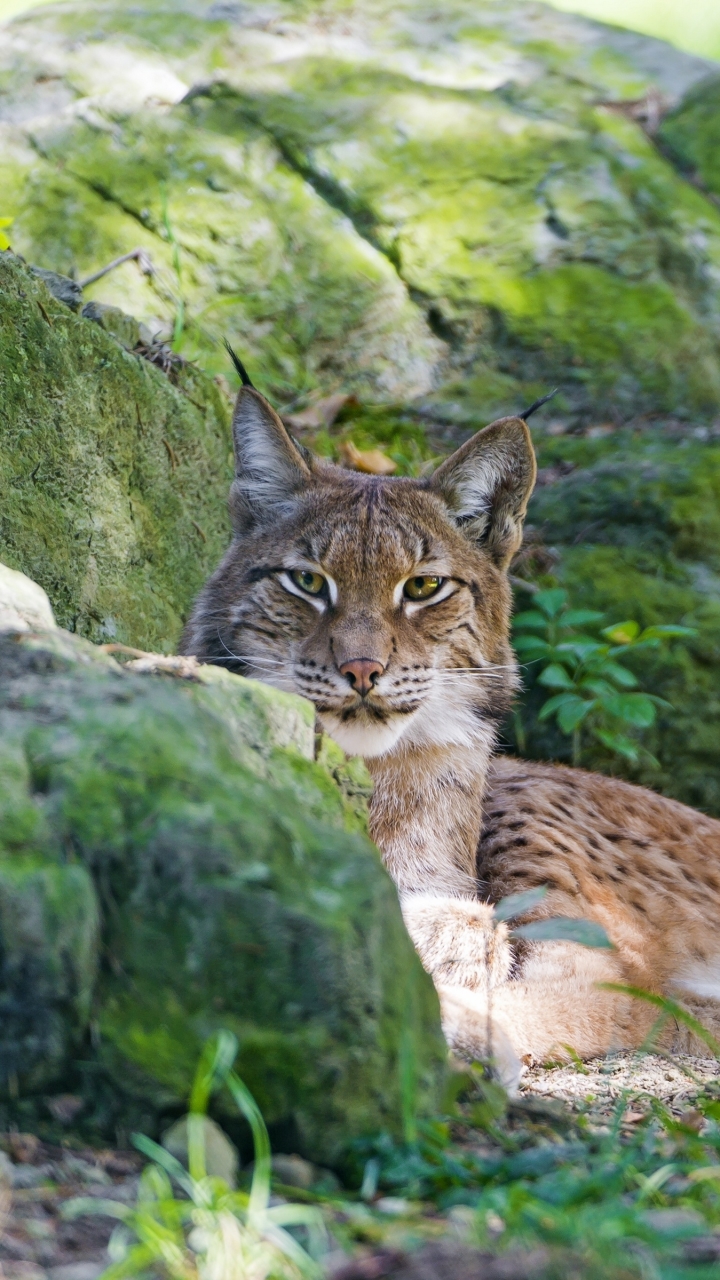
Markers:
{"x": 670, "y": 1007}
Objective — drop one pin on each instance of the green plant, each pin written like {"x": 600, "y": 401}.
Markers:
{"x": 211, "y": 1232}
{"x": 594, "y": 693}
{"x": 4, "y": 242}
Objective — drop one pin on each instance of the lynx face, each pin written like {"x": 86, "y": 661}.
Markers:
{"x": 383, "y": 601}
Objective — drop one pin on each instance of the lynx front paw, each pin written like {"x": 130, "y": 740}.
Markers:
{"x": 474, "y": 1035}
{"x": 458, "y": 940}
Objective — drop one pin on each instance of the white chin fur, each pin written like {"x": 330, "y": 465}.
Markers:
{"x": 357, "y": 739}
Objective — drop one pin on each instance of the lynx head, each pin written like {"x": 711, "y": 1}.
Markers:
{"x": 383, "y": 601}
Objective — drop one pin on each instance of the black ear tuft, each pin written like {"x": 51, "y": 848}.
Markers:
{"x": 240, "y": 367}
{"x": 537, "y": 404}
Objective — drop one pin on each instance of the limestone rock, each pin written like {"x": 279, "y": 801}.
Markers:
{"x": 465, "y": 205}
{"x": 24, "y": 605}
{"x": 181, "y": 829}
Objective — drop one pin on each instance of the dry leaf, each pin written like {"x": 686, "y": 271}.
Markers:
{"x": 322, "y": 414}
{"x": 372, "y": 461}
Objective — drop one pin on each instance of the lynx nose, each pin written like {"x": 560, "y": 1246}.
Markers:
{"x": 362, "y": 674}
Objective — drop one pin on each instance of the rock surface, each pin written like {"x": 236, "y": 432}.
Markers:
{"x": 463, "y": 203}
{"x": 173, "y": 861}
{"x": 113, "y": 481}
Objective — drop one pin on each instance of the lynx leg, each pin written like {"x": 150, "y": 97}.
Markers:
{"x": 465, "y": 950}
{"x": 458, "y": 940}
{"x": 557, "y": 1003}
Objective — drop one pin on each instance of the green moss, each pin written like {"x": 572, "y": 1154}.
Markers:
{"x": 236, "y": 887}
{"x": 691, "y": 133}
{"x": 462, "y": 161}
{"x": 112, "y": 481}
{"x": 254, "y": 241}
{"x": 48, "y": 934}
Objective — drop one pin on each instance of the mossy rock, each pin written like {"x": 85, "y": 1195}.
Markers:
{"x": 233, "y": 886}
{"x": 113, "y": 481}
{"x": 691, "y": 133}
{"x": 636, "y": 528}
{"x": 461, "y": 206}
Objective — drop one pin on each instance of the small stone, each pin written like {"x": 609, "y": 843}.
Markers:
{"x": 24, "y": 1271}
{"x": 25, "y": 1176}
{"x": 62, "y": 288}
{"x": 294, "y": 1171}
{"x": 76, "y": 1169}
{"x": 77, "y": 1271}
{"x": 670, "y": 1221}
{"x": 24, "y": 1147}
{"x": 394, "y": 1206}
{"x": 221, "y": 1157}
{"x": 65, "y": 1107}
{"x": 124, "y": 328}
{"x": 24, "y": 606}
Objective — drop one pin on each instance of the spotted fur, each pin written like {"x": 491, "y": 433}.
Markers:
{"x": 443, "y": 677}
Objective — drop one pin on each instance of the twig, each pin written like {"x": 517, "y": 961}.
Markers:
{"x": 127, "y": 649}
{"x": 137, "y": 255}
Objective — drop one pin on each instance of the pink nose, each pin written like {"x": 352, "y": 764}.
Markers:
{"x": 362, "y": 674}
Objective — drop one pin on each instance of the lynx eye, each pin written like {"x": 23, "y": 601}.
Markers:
{"x": 312, "y": 583}
{"x": 422, "y": 587}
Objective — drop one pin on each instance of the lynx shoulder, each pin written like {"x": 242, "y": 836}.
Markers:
{"x": 386, "y": 603}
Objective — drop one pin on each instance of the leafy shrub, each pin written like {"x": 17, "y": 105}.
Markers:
{"x": 594, "y": 694}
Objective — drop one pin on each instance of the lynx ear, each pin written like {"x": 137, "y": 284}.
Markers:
{"x": 486, "y": 485}
{"x": 269, "y": 467}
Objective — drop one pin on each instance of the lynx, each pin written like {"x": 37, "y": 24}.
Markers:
{"x": 385, "y": 601}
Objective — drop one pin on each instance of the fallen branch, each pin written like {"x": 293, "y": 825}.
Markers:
{"x": 136, "y": 255}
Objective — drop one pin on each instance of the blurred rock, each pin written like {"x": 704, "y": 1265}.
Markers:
{"x": 24, "y": 605}
{"x": 221, "y": 1157}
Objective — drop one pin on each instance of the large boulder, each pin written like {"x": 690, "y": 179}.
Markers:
{"x": 113, "y": 479}
{"x": 464, "y": 203}
{"x": 173, "y": 860}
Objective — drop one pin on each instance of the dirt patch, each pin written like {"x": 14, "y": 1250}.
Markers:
{"x": 597, "y": 1086}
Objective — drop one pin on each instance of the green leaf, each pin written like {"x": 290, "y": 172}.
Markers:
{"x": 670, "y": 1007}
{"x": 551, "y": 706}
{"x": 530, "y": 620}
{"x": 668, "y": 632}
{"x": 580, "y": 617}
{"x": 551, "y": 602}
{"x": 555, "y": 677}
{"x": 572, "y": 715}
{"x": 245, "y": 1102}
{"x": 596, "y": 686}
{"x": 166, "y": 1161}
{"x": 564, "y": 929}
{"x": 621, "y": 675}
{"x": 634, "y": 708}
{"x": 622, "y": 632}
{"x": 517, "y": 903}
{"x": 531, "y": 647}
{"x": 582, "y": 647}
{"x": 619, "y": 743}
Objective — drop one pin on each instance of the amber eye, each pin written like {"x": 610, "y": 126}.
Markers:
{"x": 422, "y": 587}
{"x": 308, "y": 581}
